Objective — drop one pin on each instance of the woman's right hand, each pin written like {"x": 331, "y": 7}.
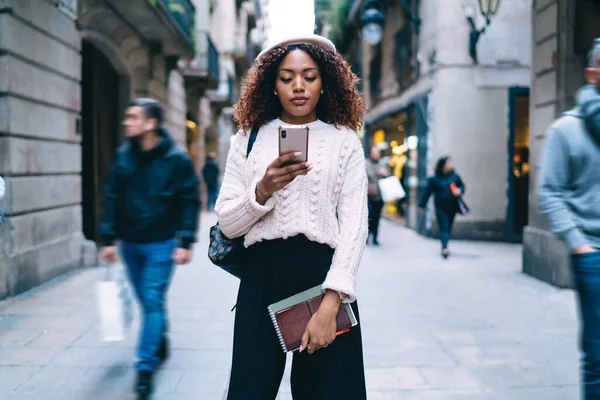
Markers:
{"x": 384, "y": 173}
{"x": 584, "y": 249}
{"x": 109, "y": 254}
{"x": 277, "y": 176}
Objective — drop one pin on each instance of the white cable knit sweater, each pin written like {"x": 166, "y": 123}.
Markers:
{"x": 328, "y": 205}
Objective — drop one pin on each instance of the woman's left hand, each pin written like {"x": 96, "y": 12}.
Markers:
{"x": 457, "y": 192}
{"x": 322, "y": 327}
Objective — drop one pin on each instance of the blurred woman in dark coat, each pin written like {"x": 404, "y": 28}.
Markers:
{"x": 447, "y": 187}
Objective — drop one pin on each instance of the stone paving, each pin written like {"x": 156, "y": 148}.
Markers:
{"x": 471, "y": 327}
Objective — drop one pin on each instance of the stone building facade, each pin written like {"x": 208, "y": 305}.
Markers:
{"x": 67, "y": 70}
{"x": 238, "y": 29}
{"x": 563, "y": 31}
{"x": 427, "y": 98}
{"x": 238, "y": 36}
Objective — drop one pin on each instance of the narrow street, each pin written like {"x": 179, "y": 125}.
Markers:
{"x": 472, "y": 327}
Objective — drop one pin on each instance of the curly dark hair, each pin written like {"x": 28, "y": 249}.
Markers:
{"x": 439, "y": 166}
{"x": 340, "y": 104}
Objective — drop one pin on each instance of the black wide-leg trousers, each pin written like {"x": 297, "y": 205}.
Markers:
{"x": 275, "y": 270}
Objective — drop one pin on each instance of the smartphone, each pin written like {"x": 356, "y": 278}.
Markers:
{"x": 294, "y": 138}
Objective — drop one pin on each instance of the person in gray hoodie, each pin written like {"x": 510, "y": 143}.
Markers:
{"x": 569, "y": 197}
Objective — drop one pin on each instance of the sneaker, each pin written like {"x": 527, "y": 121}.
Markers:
{"x": 144, "y": 384}
{"x": 445, "y": 253}
{"x": 163, "y": 350}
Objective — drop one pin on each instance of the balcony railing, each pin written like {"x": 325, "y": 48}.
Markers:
{"x": 403, "y": 52}
{"x": 207, "y": 56}
{"x": 184, "y": 13}
{"x": 224, "y": 96}
{"x": 231, "y": 94}
{"x": 204, "y": 70}
{"x": 68, "y": 7}
{"x": 169, "y": 23}
{"x": 251, "y": 53}
{"x": 244, "y": 52}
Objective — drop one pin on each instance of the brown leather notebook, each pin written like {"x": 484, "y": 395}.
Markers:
{"x": 291, "y": 316}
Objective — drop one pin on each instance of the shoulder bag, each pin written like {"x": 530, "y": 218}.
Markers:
{"x": 224, "y": 252}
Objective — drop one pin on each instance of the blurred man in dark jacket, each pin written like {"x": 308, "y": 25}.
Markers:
{"x": 152, "y": 201}
{"x": 210, "y": 173}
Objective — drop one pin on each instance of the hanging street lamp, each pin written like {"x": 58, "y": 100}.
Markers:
{"x": 488, "y": 9}
{"x": 372, "y": 19}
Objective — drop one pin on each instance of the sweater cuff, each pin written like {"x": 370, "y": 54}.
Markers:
{"x": 574, "y": 238}
{"x": 341, "y": 281}
{"x": 253, "y": 207}
{"x": 107, "y": 241}
{"x": 185, "y": 243}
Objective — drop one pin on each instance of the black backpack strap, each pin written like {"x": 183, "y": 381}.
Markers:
{"x": 251, "y": 140}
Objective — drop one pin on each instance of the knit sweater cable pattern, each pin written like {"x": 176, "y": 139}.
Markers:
{"x": 328, "y": 205}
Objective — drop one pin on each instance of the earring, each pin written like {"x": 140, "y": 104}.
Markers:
{"x": 275, "y": 92}
{"x": 321, "y": 91}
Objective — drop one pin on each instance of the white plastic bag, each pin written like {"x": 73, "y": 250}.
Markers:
{"x": 391, "y": 189}
{"x": 115, "y": 304}
{"x": 2, "y": 193}
{"x": 2, "y": 188}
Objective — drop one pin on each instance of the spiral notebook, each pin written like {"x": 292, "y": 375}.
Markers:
{"x": 291, "y": 316}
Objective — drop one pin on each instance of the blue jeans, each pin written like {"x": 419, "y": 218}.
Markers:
{"x": 445, "y": 220}
{"x": 586, "y": 269}
{"x": 212, "y": 194}
{"x": 150, "y": 267}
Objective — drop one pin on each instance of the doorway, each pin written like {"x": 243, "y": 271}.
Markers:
{"x": 390, "y": 137}
{"x": 517, "y": 214}
{"x": 100, "y": 94}
{"x": 191, "y": 141}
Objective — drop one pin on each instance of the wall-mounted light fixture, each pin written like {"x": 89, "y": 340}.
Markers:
{"x": 372, "y": 18}
{"x": 487, "y": 8}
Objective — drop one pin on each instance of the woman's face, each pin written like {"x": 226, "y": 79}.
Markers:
{"x": 449, "y": 166}
{"x": 298, "y": 87}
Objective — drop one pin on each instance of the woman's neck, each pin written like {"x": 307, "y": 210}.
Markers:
{"x": 298, "y": 120}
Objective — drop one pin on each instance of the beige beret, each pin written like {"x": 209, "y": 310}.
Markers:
{"x": 297, "y": 39}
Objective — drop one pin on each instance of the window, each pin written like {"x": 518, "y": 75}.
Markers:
{"x": 375, "y": 75}
{"x": 586, "y": 26}
{"x": 402, "y": 55}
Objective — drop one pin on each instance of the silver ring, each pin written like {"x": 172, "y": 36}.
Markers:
{"x": 325, "y": 345}
{"x": 308, "y": 346}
